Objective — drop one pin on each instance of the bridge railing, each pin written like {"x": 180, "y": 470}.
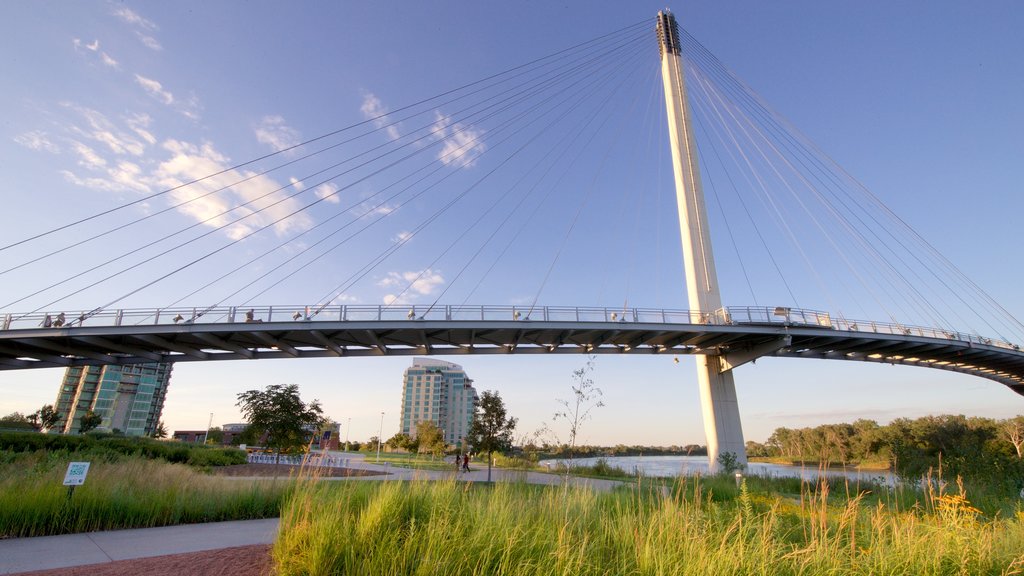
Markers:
{"x": 733, "y": 315}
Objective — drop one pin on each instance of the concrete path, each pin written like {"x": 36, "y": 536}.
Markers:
{"x": 46, "y": 552}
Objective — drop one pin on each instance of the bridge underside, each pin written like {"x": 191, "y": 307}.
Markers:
{"x": 62, "y": 347}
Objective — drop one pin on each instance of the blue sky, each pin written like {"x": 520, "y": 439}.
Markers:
{"x": 107, "y": 102}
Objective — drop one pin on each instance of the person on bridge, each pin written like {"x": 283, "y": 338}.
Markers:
{"x": 59, "y": 321}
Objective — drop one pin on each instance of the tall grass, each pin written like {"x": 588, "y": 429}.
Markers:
{"x": 124, "y": 493}
{"x": 454, "y": 528}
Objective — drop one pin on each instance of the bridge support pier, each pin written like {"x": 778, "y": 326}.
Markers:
{"x": 717, "y": 389}
{"x": 721, "y": 411}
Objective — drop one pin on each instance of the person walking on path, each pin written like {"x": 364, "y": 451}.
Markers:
{"x": 465, "y": 463}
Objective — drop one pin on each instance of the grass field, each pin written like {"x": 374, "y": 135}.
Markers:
{"x": 457, "y": 528}
{"x": 128, "y": 492}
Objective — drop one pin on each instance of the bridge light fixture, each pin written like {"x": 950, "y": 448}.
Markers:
{"x": 411, "y": 314}
{"x": 297, "y": 315}
{"x": 516, "y": 315}
{"x": 615, "y": 316}
{"x": 178, "y": 318}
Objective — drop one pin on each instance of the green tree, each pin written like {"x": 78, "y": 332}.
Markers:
{"x": 585, "y": 398}
{"x": 400, "y": 441}
{"x": 215, "y": 435}
{"x": 430, "y": 438}
{"x": 46, "y": 417}
{"x": 89, "y": 421}
{"x": 279, "y": 415}
{"x": 1012, "y": 430}
{"x": 161, "y": 430}
{"x": 491, "y": 429}
{"x": 16, "y": 421}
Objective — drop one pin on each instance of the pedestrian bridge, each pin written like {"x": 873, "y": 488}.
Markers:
{"x": 734, "y": 335}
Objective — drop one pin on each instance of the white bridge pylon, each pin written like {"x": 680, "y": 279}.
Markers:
{"x": 722, "y": 425}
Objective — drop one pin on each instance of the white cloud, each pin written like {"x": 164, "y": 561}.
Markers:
{"x": 132, "y": 17}
{"x": 415, "y": 283}
{"x": 139, "y": 124}
{"x": 90, "y": 47}
{"x": 273, "y": 131}
{"x": 37, "y": 140}
{"x": 372, "y": 108}
{"x": 296, "y": 183}
{"x": 101, "y": 129}
{"x": 328, "y": 192}
{"x": 402, "y": 236}
{"x": 155, "y": 89}
{"x": 190, "y": 162}
{"x": 94, "y": 48}
{"x": 107, "y": 60}
{"x": 87, "y": 157}
{"x": 149, "y": 42}
{"x": 462, "y": 144}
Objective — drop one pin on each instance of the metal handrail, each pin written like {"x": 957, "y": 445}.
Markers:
{"x": 732, "y": 315}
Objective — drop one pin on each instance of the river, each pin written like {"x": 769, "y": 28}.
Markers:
{"x": 671, "y": 466}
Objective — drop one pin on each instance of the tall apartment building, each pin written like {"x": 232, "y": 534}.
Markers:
{"x": 129, "y": 398}
{"x": 441, "y": 392}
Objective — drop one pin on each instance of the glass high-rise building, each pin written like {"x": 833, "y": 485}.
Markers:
{"x": 130, "y": 398}
{"x": 441, "y": 392}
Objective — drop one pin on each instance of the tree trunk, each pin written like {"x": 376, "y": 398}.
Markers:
{"x": 489, "y": 460}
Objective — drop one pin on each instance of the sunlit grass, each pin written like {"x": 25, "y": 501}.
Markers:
{"x": 458, "y": 528}
{"x": 127, "y": 493}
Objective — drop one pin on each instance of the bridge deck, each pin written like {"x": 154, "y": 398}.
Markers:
{"x": 375, "y": 331}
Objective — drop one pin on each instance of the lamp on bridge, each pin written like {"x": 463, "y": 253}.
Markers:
{"x": 178, "y": 318}
{"x": 297, "y": 315}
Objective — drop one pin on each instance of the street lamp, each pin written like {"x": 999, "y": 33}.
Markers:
{"x": 347, "y": 428}
{"x": 209, "y": 425}
{"x": 379, "y": 432}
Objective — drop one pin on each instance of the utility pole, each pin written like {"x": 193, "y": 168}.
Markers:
{"x": 347, "y": 428}
{"x": 379, "y": 432}
{"x": 717, "y": 387}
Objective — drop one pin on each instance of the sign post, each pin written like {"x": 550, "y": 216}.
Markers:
{"x": 75, "y": 476}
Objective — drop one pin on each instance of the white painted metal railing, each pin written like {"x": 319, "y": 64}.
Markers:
{"x": 731, "y": 316}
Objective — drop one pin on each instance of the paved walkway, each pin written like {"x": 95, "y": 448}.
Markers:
{"x": 46, "y": 552}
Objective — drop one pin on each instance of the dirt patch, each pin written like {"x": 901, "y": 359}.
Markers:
{"x": 239, "y": 561}
{"x": 286, "y": 470}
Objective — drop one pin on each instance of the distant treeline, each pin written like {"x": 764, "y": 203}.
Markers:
{"x": 982, "y": 449}
{"x": 562, "y": 451}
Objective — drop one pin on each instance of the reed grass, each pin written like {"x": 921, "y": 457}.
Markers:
{"x": 456, "y": 528}
{"x": 129, "y": 492}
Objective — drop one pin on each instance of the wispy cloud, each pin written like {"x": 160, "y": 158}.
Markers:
{"x": 155, "y": 89}
{"x": 402, "y": 236}
{"x": 87, "y": 157}
{"x": 94, "y": 49}
{"x": 37, "y": 140}
{"x": 100, "y": 129}
{"x": 144, "y": 27}
{"x": 139, "y": 123}
{"x": 132, "y": 17}
{"x": 328, "y": 192}
{"x": 149, "y": 42}
{"x": 190, "y": 162}
{"x": 274, "y": 132}
{"x": 462, "y": 144}
{"x": 414, "y": 283}
{"x": 372, "y": 108}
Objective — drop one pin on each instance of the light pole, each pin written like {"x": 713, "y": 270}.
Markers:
{"x": 379, "y": 432}
{"x": 347, "y": 428}
{"x": 209, "y": 425}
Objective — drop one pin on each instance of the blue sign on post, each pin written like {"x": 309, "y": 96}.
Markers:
{"x": 75, "y": 476}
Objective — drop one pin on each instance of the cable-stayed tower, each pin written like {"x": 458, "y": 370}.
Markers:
{"x": 717, "y": 387}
